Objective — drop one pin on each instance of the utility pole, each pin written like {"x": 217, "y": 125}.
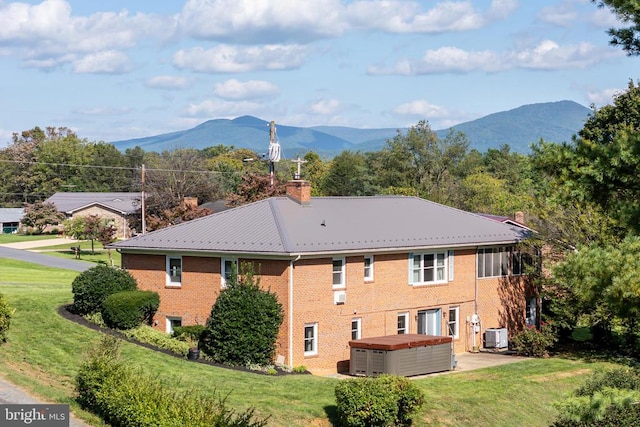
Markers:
{"x": 142, "y": 206}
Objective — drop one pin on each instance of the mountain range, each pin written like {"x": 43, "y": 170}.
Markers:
{"x": 520, "y": 127}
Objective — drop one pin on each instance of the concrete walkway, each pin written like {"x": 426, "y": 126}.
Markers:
{"x": 34, "y": 244}
{"x": 471, "y": 361}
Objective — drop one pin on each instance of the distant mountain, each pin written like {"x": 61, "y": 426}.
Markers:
{"x": 552, "y": 121}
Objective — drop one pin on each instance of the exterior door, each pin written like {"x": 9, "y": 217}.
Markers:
{"x": 429, "y": 321}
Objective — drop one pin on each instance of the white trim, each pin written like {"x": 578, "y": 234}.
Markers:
{"x": 168, "y": 273}
{"x": 223, "y": 270}
{"x": 420, "y": 268}
{"x": 406, "y": 329}
{"x": 368, "y": 278}
{"x": 343, "y": 272}
{"x": 456, "y": 331}
{"x": 169, "y": 323}
{"x": 358, "y": 329}
{"x": 314, "y": 339}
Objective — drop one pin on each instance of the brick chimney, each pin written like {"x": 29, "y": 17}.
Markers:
{"x": 299, "y": 191}
{"x": 519, "y": 217}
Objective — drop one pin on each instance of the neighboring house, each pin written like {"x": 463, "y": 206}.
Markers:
{"x": 343, "y": 268}
{"x": 116, "y": 207}
{"x": 10, "y": 219}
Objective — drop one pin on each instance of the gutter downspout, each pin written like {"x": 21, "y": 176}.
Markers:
{"x": 474, "y": 348}
{"x": 291, "y": 311}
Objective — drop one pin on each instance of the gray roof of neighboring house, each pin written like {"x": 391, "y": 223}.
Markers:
{"x": 281, "y": 226}
{"x": 72, "y": 202}
{"x": 11, "y": 214}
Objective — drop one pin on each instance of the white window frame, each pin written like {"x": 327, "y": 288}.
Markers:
{"x": 404, "y": 330}
{"x": 356, "y": 328}
{"x": 169, "y": 323}
{"x": 342, "y": 273}
{"x": 531, "y": 314}
{"x": 417, "y": 266}
{"x": 313, "y": 339}
{"x": 223, "y": 270}
{"x": 170, "y": 282}
{"x": 455, "y": 324}
{"x": 368, "y": 269}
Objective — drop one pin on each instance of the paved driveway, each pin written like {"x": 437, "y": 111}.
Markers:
{"x": 49, "y": 261}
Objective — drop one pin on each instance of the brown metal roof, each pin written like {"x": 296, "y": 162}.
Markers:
{"x": 398, "y": 342}
{"x": 281, "y": 226}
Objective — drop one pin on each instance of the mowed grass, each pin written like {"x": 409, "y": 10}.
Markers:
{"x": 15, "y": 238}
{"x": 99, "y": 255}
{"x": 45, "y": 350}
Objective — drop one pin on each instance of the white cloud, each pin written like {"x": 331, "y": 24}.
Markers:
{"x": 107, "y": 62}
{"x": 46, "y": 34}
{"x": 326, "y": 107}
{"x": 546, "y": 55}
{"x": 168, "y": 82}
{"x": 603, "y": 97}
{"x": 563, "y": 14}
{"x": 407, "y": 17}
{"x": 221, "y": 109}
{"x": 421, "y": 108}
{"x": 236, "y": 90}
{"x": 232, "y": 59}
{"x": 261, "y": 21}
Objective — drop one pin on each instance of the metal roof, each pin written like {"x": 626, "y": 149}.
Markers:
{"x": 281, "y": 226}
{"x": 70, "y": 202}
{"x": 11, "y": 214}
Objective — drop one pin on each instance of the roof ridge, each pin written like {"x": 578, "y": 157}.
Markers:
{"x": 277, "y": 215}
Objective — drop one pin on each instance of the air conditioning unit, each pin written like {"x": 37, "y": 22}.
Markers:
{"x": 339, "y": 297}
{"x": 496, "y": 338}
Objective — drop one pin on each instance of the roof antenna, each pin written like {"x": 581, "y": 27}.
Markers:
{"x": 274, "y": 149}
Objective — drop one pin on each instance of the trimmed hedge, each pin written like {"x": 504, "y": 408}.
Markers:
{"x": 382, "y": 401}
{"x": 129, "y": 309}
{"x": 90, "y": 288}
{"x": 124, "y": 396}
{"x": 5, "y": 318}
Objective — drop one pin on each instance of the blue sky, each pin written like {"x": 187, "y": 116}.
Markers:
{"x": 113, "y": 70}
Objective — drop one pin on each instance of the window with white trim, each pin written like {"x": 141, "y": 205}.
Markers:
{"x": 356, "y": 328}
{"x": 173, "y": 322}
{"x": 368, "y": 268}
{"x": 338, "y": 273}
{"x": 310, "y": 339}
{"x": 174, "y": 270}
{"x": 227, "y": 268}
{"x": 452, "y": 322}
{"x": 403, "y": 323}
{"x": 429, "y": 268}
{"x": 532, "y": 309}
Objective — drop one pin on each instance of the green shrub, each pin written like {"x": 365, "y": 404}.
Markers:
{"x": 188, "y": 333}
{"x": 534, "y": 342}
{"x": 124, "y": 396}
{"x": 129, "y": 309}
{"x": 90, "y": 288}
{"x": 244, "y": 323}
{"x": 607, "y": 398}
{"x": 146, "y": 334}
{"x": 380, "y": 401}
{"x": 5, "y": 318}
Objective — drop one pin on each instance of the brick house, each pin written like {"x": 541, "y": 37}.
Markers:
{"x": 343, "y": 268}
{"x": 116, "y": 207}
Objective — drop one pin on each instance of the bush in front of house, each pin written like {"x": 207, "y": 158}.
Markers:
{"x": 5, "y": 318}
{"x": 90, "y": 288}
{"x": 129, "y": 309}
{"x": 607, "y": 398}
{"x": 244, "y": 323}
{"x": 535, "y": 342}
{"x": 378, "y": 401}
{"x": 123, "y": 395}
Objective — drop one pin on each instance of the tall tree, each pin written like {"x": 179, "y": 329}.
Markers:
{"x": 628, "y": 12}
{"x": 347, "y": 175}
{"x": 40, "y": 214}
{"x": 254, "y": 187}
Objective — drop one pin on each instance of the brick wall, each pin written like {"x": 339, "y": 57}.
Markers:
{"x": 120, "y": 221}
{"x": 377, "y": 303}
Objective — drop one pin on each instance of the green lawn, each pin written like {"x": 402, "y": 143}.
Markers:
{"x": 14, "y": 238}
{"x": 44, "y": 351}
{"x": 99, "y": 256}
